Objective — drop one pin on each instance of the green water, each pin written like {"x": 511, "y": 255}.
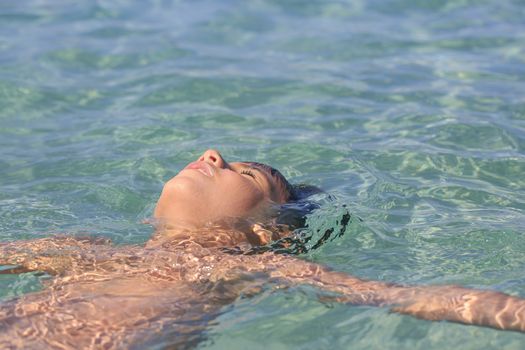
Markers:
{"x": 410, "y": 112}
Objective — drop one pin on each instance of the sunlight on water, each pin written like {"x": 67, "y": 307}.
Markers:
{"x": 409, "y": 113}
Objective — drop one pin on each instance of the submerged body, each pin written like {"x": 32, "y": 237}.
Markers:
{"x": 110, "y": 297}
{"x": 167, "y": 291}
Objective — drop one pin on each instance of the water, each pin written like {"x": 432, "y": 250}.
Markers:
{"x": 410, "y": 112}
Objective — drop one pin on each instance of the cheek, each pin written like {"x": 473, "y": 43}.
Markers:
{"x": 239, "y": 197}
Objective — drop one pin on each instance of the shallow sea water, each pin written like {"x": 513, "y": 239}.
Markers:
{"x": 412, "y": 113}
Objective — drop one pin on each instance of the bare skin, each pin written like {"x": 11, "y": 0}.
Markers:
{"x": 103, "y": 296}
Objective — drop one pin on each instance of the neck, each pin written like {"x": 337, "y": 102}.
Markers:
{"x": 206, "y": 237}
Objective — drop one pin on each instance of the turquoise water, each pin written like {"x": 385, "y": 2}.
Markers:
{"x": 410, "y": 112}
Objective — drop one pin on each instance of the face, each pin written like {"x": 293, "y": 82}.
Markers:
{"x": 211, "y": 189}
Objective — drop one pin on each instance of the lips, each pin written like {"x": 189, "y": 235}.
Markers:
{"x": 201, "y": 166}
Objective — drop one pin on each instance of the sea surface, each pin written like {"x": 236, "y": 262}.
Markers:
{"x": 409, "y": 112}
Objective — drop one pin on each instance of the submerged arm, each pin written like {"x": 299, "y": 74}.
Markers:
{"x": 458, "y": 304}
{"x": 436, "y": 303}
{"x": 53, "y": 255}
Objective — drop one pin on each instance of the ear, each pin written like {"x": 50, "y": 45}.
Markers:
{"x": 250, "y": 230}
{"x": 261, "y": 235}
{"x": 258, "y": 234}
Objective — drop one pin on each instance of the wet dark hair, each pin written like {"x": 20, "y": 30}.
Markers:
{"x": 297, "y": 205}
{"x": 293, "y": 215}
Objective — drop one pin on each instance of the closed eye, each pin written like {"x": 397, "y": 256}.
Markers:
{"x": 248, "y": 172}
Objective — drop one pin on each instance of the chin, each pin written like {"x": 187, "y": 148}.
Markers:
{"x": 185, "y": 186}
{"x": 181, "y": 199}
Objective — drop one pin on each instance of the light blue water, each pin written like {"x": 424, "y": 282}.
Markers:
{"x": 410, "y": 112}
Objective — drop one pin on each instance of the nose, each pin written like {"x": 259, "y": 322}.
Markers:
{"x": 212, "y": 156}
